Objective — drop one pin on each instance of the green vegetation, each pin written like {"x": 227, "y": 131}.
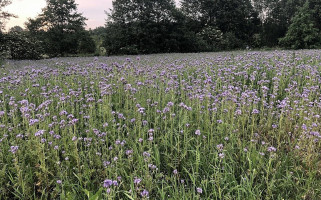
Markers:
{"x": 232, "y": 125}
{"x": 147, "y": 27}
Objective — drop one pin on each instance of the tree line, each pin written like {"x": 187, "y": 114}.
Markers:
{"x": 160, "y": 26}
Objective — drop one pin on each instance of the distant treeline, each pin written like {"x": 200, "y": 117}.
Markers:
{"x": 159, "y": 26}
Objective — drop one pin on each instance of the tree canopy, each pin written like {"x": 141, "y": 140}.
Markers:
{"x": 159, "y": 26}
{"x": 144, "y": 26}
{"x": 3, "y": 14}
{"x": 60, "y": 26}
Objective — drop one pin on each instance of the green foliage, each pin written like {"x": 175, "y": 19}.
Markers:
{"x": 86, "y": 43}
{"x": 302, "y": 33}
{"x": 237, "y": 16}
{"x": 143, "y": 27}
{"x": 4, "y": 15}
{"x": 59, "y": 26}
{"x": 22, "y": 46}
{"x": 230, "y": 41}
{"x": 212, "y": 36}
{"x": 3, "y": 47}
{"x": 98, "y": 35}
{"x": 67, "y": 127}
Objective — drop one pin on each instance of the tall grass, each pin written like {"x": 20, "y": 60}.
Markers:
{"x": 239, "y": 125}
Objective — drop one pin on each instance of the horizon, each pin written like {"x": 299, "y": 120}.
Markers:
{"x": 93, "y": 10}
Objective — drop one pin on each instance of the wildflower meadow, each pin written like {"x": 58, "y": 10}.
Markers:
{"x": 234, "y": 125}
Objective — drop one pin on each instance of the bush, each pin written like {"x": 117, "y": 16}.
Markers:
{"x": 86, "y": 44}
{"x": 3, "y": 47}
{"x": 230, "y": 41}
{"x": 211, "y": 37}
{"x": 22, "y": 46}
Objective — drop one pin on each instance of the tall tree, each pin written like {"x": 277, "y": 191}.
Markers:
{"x": 315, "y": 7}
{"x": 302, "y": 32}
{"x": 60, "y": 26}
{"x": 3, "y": 17}
{"x": 276, "y": 18}
{"x": 3, "y": 14}
{"x": 232, "y": 17}
{"x": 140, "y": 26}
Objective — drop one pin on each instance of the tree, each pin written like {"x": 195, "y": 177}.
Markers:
{"x": 16, "y": 29}
{"x": 3, "y": 17}
{"x": 232, "y": 17}
{"x": 275, "y": 18}
{"x": 140, "y": 26}
{"x": 302, "y": 32}
{"x": 212, "y": 38}
{"x": 59, "y": 26}
{"x": 22, "y": 46}
{"x": 315, "y": 7}
{"x": 3, "y": 14}
{"x": 86, "y": 43}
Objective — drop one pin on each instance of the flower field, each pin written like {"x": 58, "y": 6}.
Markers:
{"x": 234, "y": 125}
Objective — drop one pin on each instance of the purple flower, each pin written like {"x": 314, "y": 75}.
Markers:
{"x": 145, "y": 123}
{"x": 108, "y": 183}
{"x": 14, "y": 149}
{"x": 59, "y": 181}
{"x": 144, "y": 193}
{"x": 137, "y": 180}
{"x": 221, "y": 155}
{"x": 271, "y": 148}
{"x": 146, "y": 154}
{"x": 39, "y": 133}
{"x": 220, "y": 147}
{"x": 175, "y": 171}
{"x": 199, "y": 190}
{"x": 197, "y": 132}
{"x": 129, "y": 152}
{"x": 170, "y": 104}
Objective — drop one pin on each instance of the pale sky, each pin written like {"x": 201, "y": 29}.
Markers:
{"x": 93, "y": 10}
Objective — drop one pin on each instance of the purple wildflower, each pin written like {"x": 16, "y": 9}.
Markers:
{"x": 14, "y": 149}
{"x": 144, "y": 193}
{"x": 108, "y": 183}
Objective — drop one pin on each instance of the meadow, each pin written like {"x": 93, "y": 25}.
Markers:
{"x": 233, "y": 125}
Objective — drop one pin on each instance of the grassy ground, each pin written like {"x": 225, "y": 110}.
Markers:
{"x": 233, "y": 125}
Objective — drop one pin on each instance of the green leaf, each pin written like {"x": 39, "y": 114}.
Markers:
{"x": 97, "y": 195}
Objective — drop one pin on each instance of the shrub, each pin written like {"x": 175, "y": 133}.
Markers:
{"x": 86, "y": 44}
{"x": 22, "y": 46}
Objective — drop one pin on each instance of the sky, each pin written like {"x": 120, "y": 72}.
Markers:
{"x": 93, "y": 10}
